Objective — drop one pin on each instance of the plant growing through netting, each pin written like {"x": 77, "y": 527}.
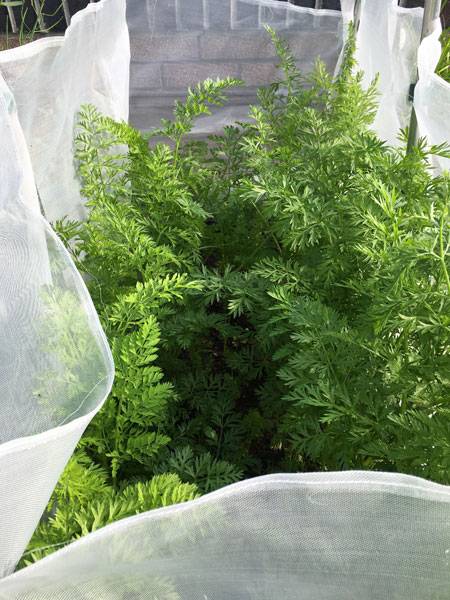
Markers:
{"x": 276, "y": 297}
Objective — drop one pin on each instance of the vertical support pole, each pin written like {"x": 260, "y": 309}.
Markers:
{"x": 288, "y": 16}
{"x": 233, "y": 14}
{"x": 431, "y": 12}
{"x": 40, "y": 17}
{"x": 12, "y": 19}
{"x": 260, "y": 16}
{"x": 206, "y": 15}
{"x": 357, "y": 14}
{"x": 318, "y": 5}
{"x": 66, "y": 9}
{"x": 178, "y": 19}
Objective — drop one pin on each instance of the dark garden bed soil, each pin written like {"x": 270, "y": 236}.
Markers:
{"x": 11, "y": 40}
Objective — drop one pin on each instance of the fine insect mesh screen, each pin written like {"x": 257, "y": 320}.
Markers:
{"x": 51, "y": 78}
{"x": 389, "y": 47}
{"x": 177, "y": 43}
{"x": 55, "y": 365}
{"x": 432, "y": 96}
{"x": 16, "y": 171}
{"x": 336, "y": 536}
{"x": 387, "y": 44}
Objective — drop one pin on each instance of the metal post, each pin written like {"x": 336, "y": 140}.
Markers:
{"x": 206, "y": 15}
{"x": 12, "y": 19}
{"x": 67, "y": 15}
{"x": 357, "y": 14}
{"x": 178, "y": 19}
{"x": 233, "y": 14}
{"x": 431, "y": 12}
{"x": 288, "y": 15}
{"x": 318, "y": 6}
{"x": 260, "y": 15}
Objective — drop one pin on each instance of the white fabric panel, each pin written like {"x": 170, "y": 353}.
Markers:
{"x": 347, "y": 9}
{"x": 55, "y": 365}
{"x": 16, "y": 174}
{"x": 328, "y": 536}
{"x": 432, "y": 96}
{"x": 51, "y": 78}
{"x": 177, "y": 43}
{"x": 387, "y": 44}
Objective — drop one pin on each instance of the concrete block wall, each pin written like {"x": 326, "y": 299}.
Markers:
{"x": 175, "y": 49}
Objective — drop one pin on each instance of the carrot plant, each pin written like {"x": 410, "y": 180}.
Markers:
{"x": 276, "y": 297}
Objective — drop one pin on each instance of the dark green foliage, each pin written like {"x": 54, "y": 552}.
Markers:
{"x": 205, "y": 472}
{"x": 277, "y": 297}
{"x": 359, "y": 284}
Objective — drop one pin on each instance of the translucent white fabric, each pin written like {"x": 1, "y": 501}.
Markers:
{"x": 55, "y": 365}
{"x": 51, "y": 78}
{"x": 432, "y": 96}
{"x": 387, "y": 44}
{"x": 16, "y": 173}
{"x": 336, "y": 536}
{"x": 177, "y": 43}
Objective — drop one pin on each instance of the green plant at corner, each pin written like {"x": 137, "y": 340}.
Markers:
{"x": 84, "y": 501}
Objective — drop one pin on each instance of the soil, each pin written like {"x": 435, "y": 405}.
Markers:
{"x": 8, "y": 41}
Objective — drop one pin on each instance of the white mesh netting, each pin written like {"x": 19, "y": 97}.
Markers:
{"x": 51, "y": 78}
{"x": 388, "y": 45}
{"x": 338, "y": 536}
{"x": 432, "y": 96}
{"x": 176, "y": 44}
{"x": 55, "y": 364}
{"x": 388, "y": 39}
